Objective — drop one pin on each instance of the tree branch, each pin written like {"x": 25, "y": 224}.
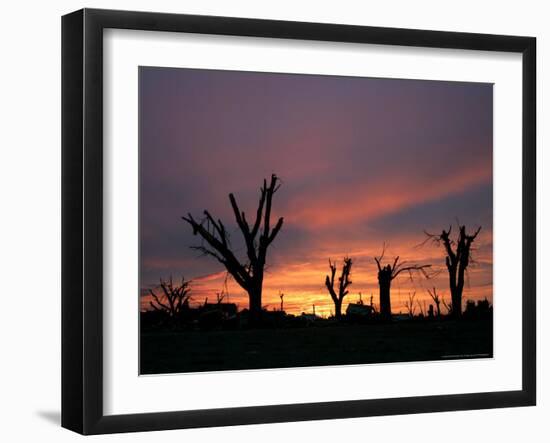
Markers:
{"x": 275, "y": 231}
{"x": 411, "y": 268}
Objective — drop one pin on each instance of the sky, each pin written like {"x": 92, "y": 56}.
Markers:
{"x": 364, "y": 162}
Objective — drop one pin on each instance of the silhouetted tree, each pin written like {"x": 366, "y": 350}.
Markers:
{"x": 282, "y": 297}
{"x": 248, "y": 275}
{"x": 448, "y": 307}
{"x": 173, "y": 300}
{"x": 409, "y": 304}
{"x": 457, "y": 259}
{"x": 372, "y": 303}
{"x": 435, "y": 297}
{"x": 422, "y": 307}
{"x": 386, "y": 274}
{"x": 338, "y": 294}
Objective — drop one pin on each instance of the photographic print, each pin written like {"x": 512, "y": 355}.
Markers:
{"x": 295, "y": 220}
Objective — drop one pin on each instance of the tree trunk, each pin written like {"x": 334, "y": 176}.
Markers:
{"x": 456, "y": 292}
{"x": 457, "y": 300}
{"x": 338, "y": 309}
{"x": 457, "y": 305}
{"x": 385, "y": 303}
{"x": 255, "y": 305}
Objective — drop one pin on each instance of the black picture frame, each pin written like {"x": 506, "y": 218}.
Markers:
{"x": 82, "y": 218}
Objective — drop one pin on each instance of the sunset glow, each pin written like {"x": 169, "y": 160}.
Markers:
{"x": 363, "y": 162}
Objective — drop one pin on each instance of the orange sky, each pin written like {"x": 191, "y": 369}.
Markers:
{"x": 302, "y": 280}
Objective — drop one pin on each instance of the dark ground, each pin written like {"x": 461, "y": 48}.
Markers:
{"x": 194, "y": 351}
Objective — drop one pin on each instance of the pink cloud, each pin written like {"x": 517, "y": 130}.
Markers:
{"x": 352, "y": 202}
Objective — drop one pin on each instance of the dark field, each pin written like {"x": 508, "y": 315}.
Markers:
{"x": 193, "y": 351}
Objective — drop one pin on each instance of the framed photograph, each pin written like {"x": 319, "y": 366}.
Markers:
{"x": 269, "y": 221}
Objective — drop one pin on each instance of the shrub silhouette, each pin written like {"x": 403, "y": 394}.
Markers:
{"x": 174, "y": 299}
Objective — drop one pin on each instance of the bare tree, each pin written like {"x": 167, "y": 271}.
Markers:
{"x": 422, "y": 308}
{"x": 282, "y": 297}
{"x": 387, "y": 273}
{"x": 173, "y": 300}
{"x": 372, "y": 303}
{"x": 435, "y": 297}
{"x": 457, "y": 259}
{"x": 448, "y": 307}
{"x": 338, "y": 294}
{"x": 409, "y": 304}
{"x": 248, "y": 275}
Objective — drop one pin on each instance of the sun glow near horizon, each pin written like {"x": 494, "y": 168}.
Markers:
{"x": 302, "y": 282}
